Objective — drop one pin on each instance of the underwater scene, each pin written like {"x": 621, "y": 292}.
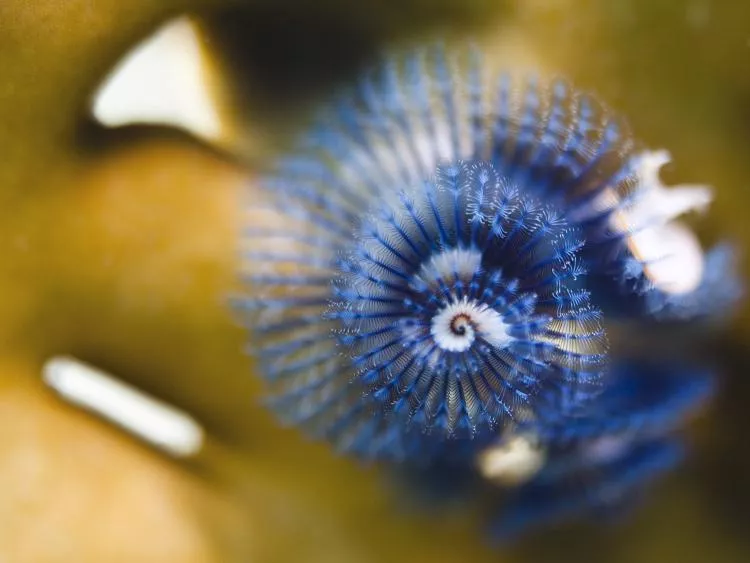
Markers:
{"x": 381, "y": 281}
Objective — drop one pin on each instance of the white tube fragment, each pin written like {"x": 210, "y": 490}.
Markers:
{"x": 153, "y": 421}
{"x": 511, "y": 462}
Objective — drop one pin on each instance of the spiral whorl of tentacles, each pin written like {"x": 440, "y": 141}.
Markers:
{"x": 429, "y": 267}
{"x": 454, "y": 308}
{"x": 461, "y": 301}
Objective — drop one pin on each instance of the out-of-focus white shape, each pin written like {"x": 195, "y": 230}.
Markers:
{"x": 151, "y": 420}
{"x": 606, "y": 448}
{"x": 673, "y": 256}
{"x": 672, "y": 253}
{"x": 660, "y": 203}
{"x": 512, "y": 462}
{"x": 162, "y": 81}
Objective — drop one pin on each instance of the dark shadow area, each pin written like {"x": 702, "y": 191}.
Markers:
{"x": 96, "y": 140}
{"x": 723, "y": 466}
{"x": 284, "y": 58}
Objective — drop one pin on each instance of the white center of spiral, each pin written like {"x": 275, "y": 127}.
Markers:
{"x": 456, "y": 326}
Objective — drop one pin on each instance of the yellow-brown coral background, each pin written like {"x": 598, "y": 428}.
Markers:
{"x": 119, "y": 247}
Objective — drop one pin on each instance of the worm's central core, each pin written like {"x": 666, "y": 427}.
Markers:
{"x": 458, "y": 325}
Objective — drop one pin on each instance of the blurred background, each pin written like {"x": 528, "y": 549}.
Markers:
{"x": 130, "y": 133}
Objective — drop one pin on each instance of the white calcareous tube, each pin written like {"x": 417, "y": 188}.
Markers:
{"x": 151, "y": 420}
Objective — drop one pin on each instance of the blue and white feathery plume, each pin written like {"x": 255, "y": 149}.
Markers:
{"x": 606, "y": 457}
{"x": 430, "y": 262}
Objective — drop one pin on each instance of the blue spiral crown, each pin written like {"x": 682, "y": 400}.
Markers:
{"x": 416, "y": 269}
{"x": 446, "y": 308}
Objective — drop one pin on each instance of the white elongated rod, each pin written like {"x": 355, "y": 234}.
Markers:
{"x": 149, "y": 419}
